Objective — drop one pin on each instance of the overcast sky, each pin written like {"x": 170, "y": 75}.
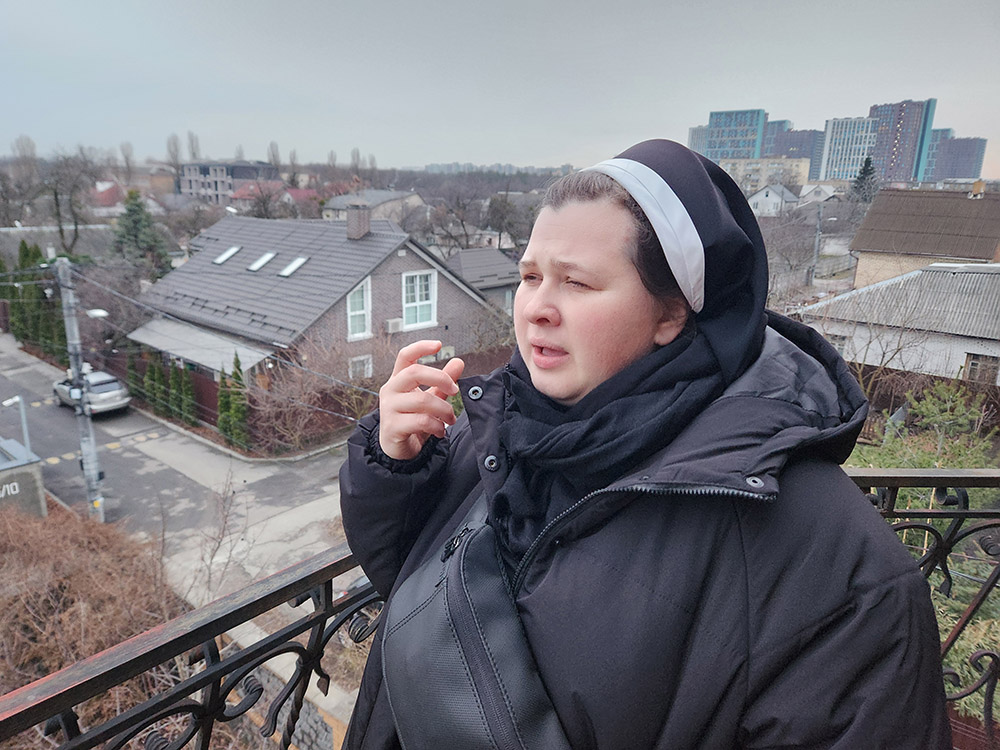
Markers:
{"x": 529, "y": 83}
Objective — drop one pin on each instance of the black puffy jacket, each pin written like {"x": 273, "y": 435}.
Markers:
{"x": 736, "y": 590}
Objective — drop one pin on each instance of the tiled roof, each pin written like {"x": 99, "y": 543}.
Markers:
{"x": 936, "y": 223}
{"x": 484, "y": 267}
{"x": 962, "y": 300}
{"x": 261, "y": 305}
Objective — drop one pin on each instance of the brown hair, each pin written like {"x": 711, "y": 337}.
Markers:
{"x": 646, "y": 251}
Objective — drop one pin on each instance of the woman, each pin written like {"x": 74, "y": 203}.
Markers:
{"x": 685, "y": 564}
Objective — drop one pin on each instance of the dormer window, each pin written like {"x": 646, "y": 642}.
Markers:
{"x": 292, "y": 267}
{"x": 260, "y": 262}
{"x": 227, "y": 255}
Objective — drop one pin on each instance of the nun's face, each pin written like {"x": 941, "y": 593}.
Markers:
{"x": 581, "y": 313}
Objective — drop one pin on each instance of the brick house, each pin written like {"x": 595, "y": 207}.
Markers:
{"x": 266, "y": 288}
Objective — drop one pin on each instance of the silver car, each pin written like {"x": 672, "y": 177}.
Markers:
{"x": 107, "y": 393}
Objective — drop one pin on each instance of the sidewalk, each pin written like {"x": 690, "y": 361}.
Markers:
{"x": 228, "y": 521}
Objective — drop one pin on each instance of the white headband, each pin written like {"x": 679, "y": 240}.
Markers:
{"x": 678, "y": 236}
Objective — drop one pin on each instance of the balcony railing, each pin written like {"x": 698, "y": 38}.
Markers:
{"x": 226, "y": 687}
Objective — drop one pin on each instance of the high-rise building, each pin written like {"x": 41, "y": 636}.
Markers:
{"x": 937, "y": 136}
{"x": 959, "y": 158}
{"x": 698, "y": 138}
{"x": 846, "y": 143}
{"x": 735, "y": 134}
{"x": 800, "y": 144}
{"x": 904, "y": 135}
{"x": 772, "y": 129}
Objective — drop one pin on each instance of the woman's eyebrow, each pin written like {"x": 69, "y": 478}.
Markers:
{"x": 562, "y": 265}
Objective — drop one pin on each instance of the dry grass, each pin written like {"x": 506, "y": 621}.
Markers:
{"x": 70, "y": 588}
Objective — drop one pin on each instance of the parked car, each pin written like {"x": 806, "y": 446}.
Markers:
{"x": 107, "y": 393}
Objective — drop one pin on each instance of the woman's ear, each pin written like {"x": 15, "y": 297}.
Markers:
{"x": 672, "y": 322}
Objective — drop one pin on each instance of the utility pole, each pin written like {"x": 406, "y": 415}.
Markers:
{"x": 819, "y": 230}
{"x": 88, "y": 447}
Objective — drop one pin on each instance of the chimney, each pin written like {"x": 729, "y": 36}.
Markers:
{"x": 359, "y": 220}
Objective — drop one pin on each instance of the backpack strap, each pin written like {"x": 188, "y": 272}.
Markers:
{"x": 456, "y": 663}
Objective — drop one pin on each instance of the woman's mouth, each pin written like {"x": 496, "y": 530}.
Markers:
{"x": 545, "y": 357}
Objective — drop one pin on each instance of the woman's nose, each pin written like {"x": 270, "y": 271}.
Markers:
{"x": 540, "y": 306}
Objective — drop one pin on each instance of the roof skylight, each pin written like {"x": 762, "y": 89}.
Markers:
{"x": 227, "y": 254}
{"x": 292, "y": 267}
{"x": 260, "y": 262}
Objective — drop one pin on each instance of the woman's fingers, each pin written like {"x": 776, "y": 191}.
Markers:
{"x": 412, "y": 402}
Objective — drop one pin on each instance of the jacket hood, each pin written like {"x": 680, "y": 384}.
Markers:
{"x": 797, "y": 398}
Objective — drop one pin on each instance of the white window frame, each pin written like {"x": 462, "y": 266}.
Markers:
{"x": 366, "y": 366}
{"x": 432, "y": 274}
{"x": 365, "y": 287}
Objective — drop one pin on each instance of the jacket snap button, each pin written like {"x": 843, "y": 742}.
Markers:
{"x": 755, "y": 482}
{"x": 491, "y": 463}
{"x": 475, "y": 393}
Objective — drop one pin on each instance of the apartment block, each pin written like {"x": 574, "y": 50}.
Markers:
{"x": 903, "y": 137}
{"x": 846, "y": 143}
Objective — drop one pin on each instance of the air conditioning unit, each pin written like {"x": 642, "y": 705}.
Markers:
{"x": 447, "y": 352}
{"x": 393, "y": 325}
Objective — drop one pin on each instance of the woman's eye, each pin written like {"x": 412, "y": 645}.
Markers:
{"x": 529, "y": 277}
{"x": 578, "y": 284}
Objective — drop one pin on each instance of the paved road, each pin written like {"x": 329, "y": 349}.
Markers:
{"x": 162, "y": 483}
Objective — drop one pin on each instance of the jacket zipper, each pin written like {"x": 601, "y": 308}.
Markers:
{"x": 484, "y": 679}
{"x": 522, "y": 567}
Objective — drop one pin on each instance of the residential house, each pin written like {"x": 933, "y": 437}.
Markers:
{"x": 755, "y": 173}
{"x": 490, "y": 271}
{"x": 907, "y": 229}
{"x": 396, "y": 205}
{"x": 772, "y": 200}
{"x": 817, "y": 193}
{"x": 940, "y": 320}
{"x": 264, "y": 288}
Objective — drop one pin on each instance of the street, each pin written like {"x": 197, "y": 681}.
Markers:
{"x": 256, "y": 516}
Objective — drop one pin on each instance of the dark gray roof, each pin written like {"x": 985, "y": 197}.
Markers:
{"x": 261, "y": 305}
{"x": 484, "y": 267}
{"x": 957, "y": 299}
{"x": 371, "y": 197}
{"x": 938, "y": 223}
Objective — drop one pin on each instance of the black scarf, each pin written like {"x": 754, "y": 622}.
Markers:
{"x": 558, "y": 454}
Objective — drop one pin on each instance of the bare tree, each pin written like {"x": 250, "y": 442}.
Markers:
{"x": 67, "y": 179}
{"x": 458, "y": 213}
{"x": 307, "y": 398}
{"x": 293, "y": 169}
{"x": 373, "y": 176}
{"x": 274, "y": 156}
{"x": 239, "y": 156}
{"x": 128, "y": 161}
{"x": 356, "y": 161}
{"x": 24, "y": 184}
{"x": 266, "y": 202}
{"x": 194, "y": 148}
{"x": 174, "y": 159}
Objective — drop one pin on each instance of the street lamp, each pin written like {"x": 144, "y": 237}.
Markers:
{"x": 24, "y": 419}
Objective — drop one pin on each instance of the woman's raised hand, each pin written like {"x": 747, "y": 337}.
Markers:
{"x": 412, "y": 403}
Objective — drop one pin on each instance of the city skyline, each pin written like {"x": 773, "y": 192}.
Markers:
{"x": 472, "y": 82}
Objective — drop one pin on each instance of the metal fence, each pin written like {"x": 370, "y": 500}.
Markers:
{"x": 226, "y": 688}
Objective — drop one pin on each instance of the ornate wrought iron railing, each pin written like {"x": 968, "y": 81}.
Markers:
{"x": 949, "y": 530}
{"x": 226, "y": 687}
